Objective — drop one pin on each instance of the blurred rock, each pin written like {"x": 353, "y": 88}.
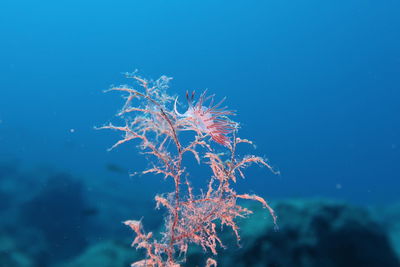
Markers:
{"x": 390, "y": 218}
{"x": 105, "y": 254}
{"x": 311, "y": 234}
{"x": 10, "y": 255}
{"x": 56, "y": 212}
{"x": 45, "y": 220}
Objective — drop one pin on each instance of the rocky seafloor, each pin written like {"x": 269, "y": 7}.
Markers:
{"x": 49, "y": 218}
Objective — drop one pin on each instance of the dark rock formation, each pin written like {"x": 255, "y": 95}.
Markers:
{"x": 104, "y": 254}
{"x": 311, "y": 234}
{"x": 57, "y": 213}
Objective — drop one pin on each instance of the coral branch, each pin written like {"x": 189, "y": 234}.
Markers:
{"x": 152, "y": 117}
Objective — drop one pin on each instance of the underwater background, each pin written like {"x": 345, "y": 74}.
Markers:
{"x": 315, "y": 84}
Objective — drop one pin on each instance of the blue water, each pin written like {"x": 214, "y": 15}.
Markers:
{"x": 316, "y": 84}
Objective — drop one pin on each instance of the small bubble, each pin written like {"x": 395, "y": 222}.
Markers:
{"x": 338, "y": 186}
{"x": 72, "y": 130}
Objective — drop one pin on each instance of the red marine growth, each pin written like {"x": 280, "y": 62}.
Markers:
{"x": 152, "y": 117}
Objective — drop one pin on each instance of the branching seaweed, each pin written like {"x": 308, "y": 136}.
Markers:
{"x": 151, "y": 116}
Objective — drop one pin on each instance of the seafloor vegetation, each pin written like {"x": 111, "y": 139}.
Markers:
{"x": 48, "y": 218}
{"x": 151, "y": 117}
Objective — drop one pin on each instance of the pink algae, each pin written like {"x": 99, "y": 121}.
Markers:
{"x": 152, "y": 118}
